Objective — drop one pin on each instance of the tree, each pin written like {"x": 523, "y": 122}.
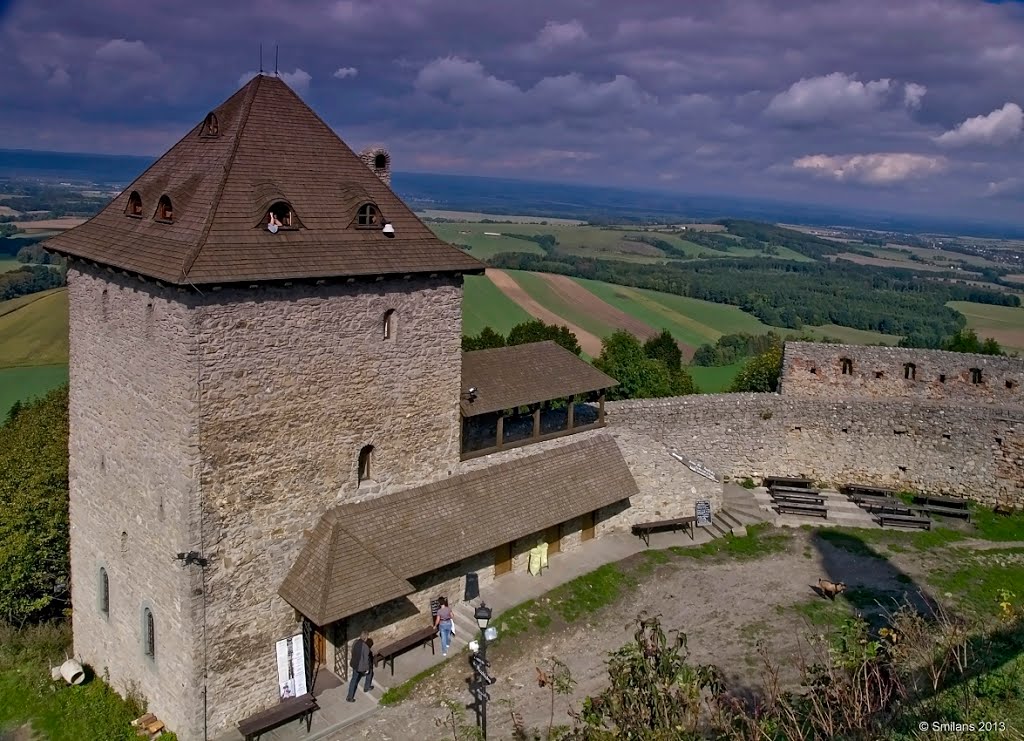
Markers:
{"x": 966, "y": 340}
{"x": 537, "y": 331}
{"x": 486, "y": 340}
{"x": 664, "y": 347}
{"x": 761, "y": 373}
{"x": 34, "y": 503}
{"x": 622, "y": 357}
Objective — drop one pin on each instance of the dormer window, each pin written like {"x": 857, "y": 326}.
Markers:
{"x": 164, "y": 210}
{"x": 134, "y": 205}
{"x": 368, "y": 216}
{"x": 211, "y": 127}
{"x": 280, "y": 215}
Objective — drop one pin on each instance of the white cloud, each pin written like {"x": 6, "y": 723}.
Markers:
{"x": 1006, "y": 188}
{"x": 998, "y": 127}
{"x": 121, "y": 51}
{"x": 342, "y": 72}
{"x": 912, "y": 94}
{"x": 814, "y": 99}
{"x": 873, "y": 169}
{"x": 298, "y": 80}
{"x": 555, "y": 34}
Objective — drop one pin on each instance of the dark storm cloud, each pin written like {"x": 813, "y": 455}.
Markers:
{"x": 871, "y": 102}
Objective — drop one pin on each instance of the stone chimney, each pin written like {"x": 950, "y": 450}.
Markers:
{"x": 379, "y": 161}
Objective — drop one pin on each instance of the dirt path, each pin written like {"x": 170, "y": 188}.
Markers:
{"x": 573, "y": 293}
{"x": 724, "y": 607}
{"x": 590, "y": 343}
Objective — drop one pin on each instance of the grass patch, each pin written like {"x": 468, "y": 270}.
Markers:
{"x": 23, "y": 384}
{"x": 820, "y": 612}
{"x": 542, "y": 292}
{"x": 56, "y": 710}
{"x": 36, "y": 332}
{"x": 756, "y": 544}
{"x": 868, "y": 542}
{"x": 714, "y": 379}
{"x": 484, "y": 305}
{"x": 1002, "y": 528}
{"x": 590, "y": 592}
{"x": 395, "y": 695}
{"x": 977, "y": 578}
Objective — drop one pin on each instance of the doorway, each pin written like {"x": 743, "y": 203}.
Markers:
{"x": 588, "y": 526}
{"x": 503, "y": 559}
{"x": 554, "y": 538}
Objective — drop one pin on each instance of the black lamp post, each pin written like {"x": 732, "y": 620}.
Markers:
{"x": 481, "y": 679}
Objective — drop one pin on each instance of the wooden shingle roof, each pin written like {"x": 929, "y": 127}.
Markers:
{"x": 419, "y": 530}
{"x": 270, "y": 145}
{"x": 508, "y": 377}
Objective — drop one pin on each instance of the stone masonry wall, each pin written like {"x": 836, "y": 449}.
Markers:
{"x": 294, "y": 382}
{"x": 132, "y": 478}
{"x": 968, "y": 450}
{"x": 816, "y": 369}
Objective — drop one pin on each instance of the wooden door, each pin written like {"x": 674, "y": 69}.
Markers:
{"x": 319, "y": 647}
{"x": 554, "y": 538}
{"x": 503, "y": 559}
{"x": 588, "y": 526}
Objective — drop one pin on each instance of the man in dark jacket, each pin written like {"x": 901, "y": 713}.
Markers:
{"x": 361, "y": 665}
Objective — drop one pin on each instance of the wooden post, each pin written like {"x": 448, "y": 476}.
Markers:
{"x": 600, "y": 408}
{"x": 536, "y": 420}
{"x": 572, "y": 411}
{"x": 501, "y": 427}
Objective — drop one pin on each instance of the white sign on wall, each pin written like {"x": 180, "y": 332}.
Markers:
{"x": 698, "y": 468}
{"x": 291, "y": 672}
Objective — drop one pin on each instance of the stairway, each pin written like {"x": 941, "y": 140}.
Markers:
{"x": 757, "y": 502}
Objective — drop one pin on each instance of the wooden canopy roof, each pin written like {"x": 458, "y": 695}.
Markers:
{"x": 267, "y": 146}
{"x": 509, "y": 377}
{"x": 361, "y": 554}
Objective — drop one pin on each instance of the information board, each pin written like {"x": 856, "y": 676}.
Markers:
{"x": 291, "y": 674}
{"x": 702, "y": 509}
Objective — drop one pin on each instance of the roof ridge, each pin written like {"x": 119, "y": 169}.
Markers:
{"x": 211, "y": 215}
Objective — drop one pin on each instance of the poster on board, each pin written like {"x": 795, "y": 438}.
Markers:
{"x": 291, "y": 674}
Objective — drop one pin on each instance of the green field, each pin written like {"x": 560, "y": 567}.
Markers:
{"x": 22, "y": 384}
{"x": 484, "y": 305}
{"x": 1004, "y": 323}
{"x": 714, "y": 379}
{"x": 36, "y": 332}
{"x": 9, "y": 263}
{"x": 848, "y": 335}
{"x": 541, "y": 292}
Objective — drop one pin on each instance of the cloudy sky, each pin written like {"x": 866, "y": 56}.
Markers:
{"x": 910, "y": 105}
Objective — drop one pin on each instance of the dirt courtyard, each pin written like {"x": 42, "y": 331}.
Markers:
{"x": 724, "y": 604}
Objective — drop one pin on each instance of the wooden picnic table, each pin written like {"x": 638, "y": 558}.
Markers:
{"x": 644, "y": 529}
{"x": 815, "y": 499}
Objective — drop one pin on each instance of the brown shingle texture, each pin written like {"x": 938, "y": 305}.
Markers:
{"x": 413, "y": 532}
{"x": 271, "y": 144}
{"x": 508, "y": 377}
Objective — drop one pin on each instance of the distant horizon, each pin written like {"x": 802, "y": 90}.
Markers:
{"x": 681, "y": 204}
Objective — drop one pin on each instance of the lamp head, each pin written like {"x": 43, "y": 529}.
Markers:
{"x": 482, "y": 615}
{"x": 389, "y": 231}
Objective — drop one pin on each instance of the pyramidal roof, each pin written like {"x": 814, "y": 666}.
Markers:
{"x": 263, "y": 146}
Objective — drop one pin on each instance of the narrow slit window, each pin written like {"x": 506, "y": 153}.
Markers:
{"x": 365, "y": 460}
{"x": 368, "y": 216}
{"x": 910, "y": 371}
{"x": 847, "y": 366}
{"x": 389, "y": 324}
{"x": 164, "y": 210}
{"x": 150, "y": 630}
{"x": 975, "y": 375}
{"x": 104, "y": 592}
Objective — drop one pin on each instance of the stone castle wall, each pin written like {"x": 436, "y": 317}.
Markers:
{"x": 293, "y": 383}
{"x": 817, "y": 370}
{"x": 969, "y": 450}
{"x": 133, "y": 468}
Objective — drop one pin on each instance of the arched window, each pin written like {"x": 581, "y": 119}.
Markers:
{"x": 149, "y": 633}
{"x": 847, "y": 366}
{"x": 164, "y": 210}
{"x": 975, "y": 375}
{"x": 104, "y": 592}
{"x": 134, "y": 205}
{"x": 909, "y": 371}
{"x": 211, "y": 126}
{"x": 368, "y": 216}
{"x": 380, "y": 162}
{"x": 365, "y": 456}
{"x": 280, "y": 215}
{"x": 389, "y": 324}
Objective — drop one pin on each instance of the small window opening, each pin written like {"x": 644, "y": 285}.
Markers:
{"x": 910, "y": 371}
{"x": 134, "y": 205}
{"x": 280, "y": 215}
{"x": 878, "y": 374}
{"x": 380, "y": 162}
{"x": 1009, "y": 384}
{"x": 942, "y": 378}
{"x": 368, "y": 216}
{"x": 847, "y": 366}
{"x": 150, "y": 630}
{"x": 975, "y": 375}
{"x": 164, "y": 210}
{"x": 946, "y": 436}
{"x": 814, "y": 371}
{"x": 211, "y": 127}
{"x": 104, "y": 592}
{"x": 389, "y": 324}
{"x": 365, "y": 456}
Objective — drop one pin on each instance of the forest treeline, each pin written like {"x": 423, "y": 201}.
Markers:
{"x": 790, "y": 294}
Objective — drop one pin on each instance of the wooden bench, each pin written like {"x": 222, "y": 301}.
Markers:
{"x": 793, "y": 490}
{"x": 644, "y": 529}
{"x": 388, "y": 653}
{"x": 937, "y": 501}
{"x": 947, "y": 511}
{"x": 853, "y": 490}
{"x": 887, "y": 508}
{"x": 799, "y": 508}
{"x": 905, "y": 521}
{"x": 799, "y": 481}
{"x": 287, "y": 710}
{"x": 799, "y": 499}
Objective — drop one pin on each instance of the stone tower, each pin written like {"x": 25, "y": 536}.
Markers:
{"x": 249, "y": 347}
